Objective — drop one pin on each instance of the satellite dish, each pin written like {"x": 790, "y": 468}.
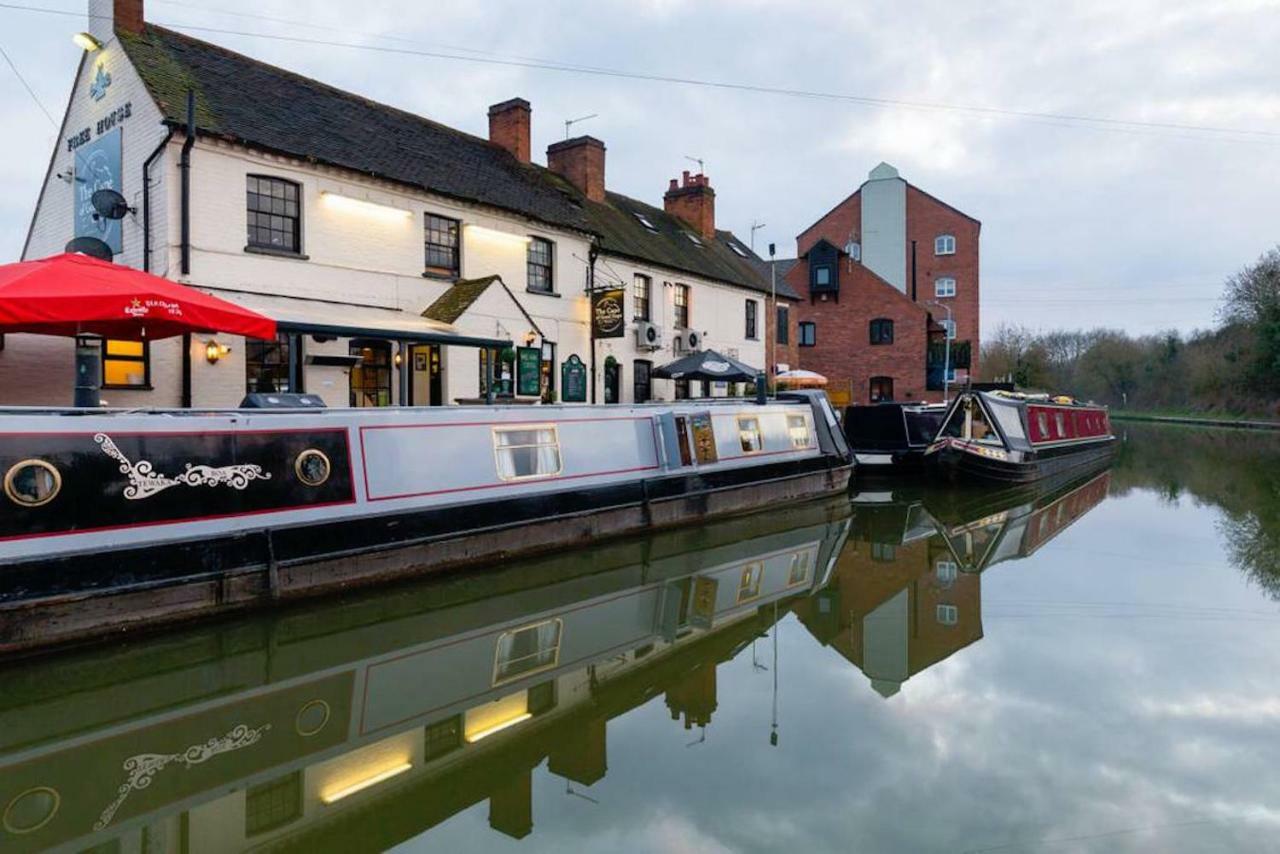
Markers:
{"x": 109, "y": 204}
{"x": 91, "y": 246}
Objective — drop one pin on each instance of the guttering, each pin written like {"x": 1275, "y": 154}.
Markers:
{"x": 184, "y": 164}
{"x": 146, "y": 200}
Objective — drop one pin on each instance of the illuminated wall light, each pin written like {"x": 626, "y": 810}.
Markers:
{"x": 213, "y": 351}
{"x": 87, "y": 42}
{"x": 472, "y": 738}
{"x": 335, "y": 795}
{"x": 495, "y": 235}
{"x": 338, "y": 201}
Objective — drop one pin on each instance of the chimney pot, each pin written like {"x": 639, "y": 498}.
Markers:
{"x": 509, "y": 127}
{"x": 580, "y": 161}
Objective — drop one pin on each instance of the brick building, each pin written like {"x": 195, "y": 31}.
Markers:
{"x": 876, "y": 276}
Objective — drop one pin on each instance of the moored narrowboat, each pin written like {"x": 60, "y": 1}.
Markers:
{"x": 886, "y": 437}
{"x": 1010, "y": 437}
{"x": 119, "y": 517}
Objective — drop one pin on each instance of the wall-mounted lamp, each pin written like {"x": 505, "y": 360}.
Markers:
{"x": 213, "y": 351}
{"x": 483, "y": 233}
{"x": 399, "y": 359}
{"x": 529, "y": 338}
{"x": 363, "y": 206}
{"x": 87, "y": 42}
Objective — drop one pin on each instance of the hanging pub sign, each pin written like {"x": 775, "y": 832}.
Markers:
{"x": 528, "y": 371}
{"x": 573, "y": 380}
{"x": 607, "y": 317}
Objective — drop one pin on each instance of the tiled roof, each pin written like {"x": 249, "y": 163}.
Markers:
{"x": 246, "y": 101}
{"x": 454, "y": 302}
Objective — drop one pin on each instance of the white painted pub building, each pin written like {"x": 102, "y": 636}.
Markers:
{"x": 405, "y": 262}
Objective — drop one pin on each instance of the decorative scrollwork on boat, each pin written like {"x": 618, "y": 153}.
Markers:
{"x": 145, "y": 481}
{"x": 143, "y": 767}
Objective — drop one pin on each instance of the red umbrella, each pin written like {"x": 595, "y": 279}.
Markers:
{"x": 77, "y": 295}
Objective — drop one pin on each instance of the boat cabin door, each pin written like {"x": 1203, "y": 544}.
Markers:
{"x": 427, "y": 385}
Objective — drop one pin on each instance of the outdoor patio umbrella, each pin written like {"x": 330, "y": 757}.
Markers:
{"x": 706, "y": 365}
{"x": 801, "y": 379}
{"x": 73, "y": 295}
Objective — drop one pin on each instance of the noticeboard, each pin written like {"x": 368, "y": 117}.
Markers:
{"x": 573, "y": 380}
{"x": 528, "y": 371}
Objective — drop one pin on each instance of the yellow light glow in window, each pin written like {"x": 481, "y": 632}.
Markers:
{"x": 334, "y": 795}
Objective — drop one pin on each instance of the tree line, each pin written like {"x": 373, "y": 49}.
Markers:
{"x": 1233, "y": 368}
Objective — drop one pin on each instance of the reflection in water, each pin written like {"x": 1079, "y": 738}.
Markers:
{"x": 360, "y": 725}
{"x": 370, "y": 722}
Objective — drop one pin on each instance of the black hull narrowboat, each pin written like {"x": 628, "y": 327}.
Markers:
{"x": 1012, "y": 438}
{"x": 892, "y": 437}
{"x": 123, "y": 518}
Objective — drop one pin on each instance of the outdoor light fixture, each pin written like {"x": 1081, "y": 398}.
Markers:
{"x": 86, "y": 41}
{"x": 363, "y": 206}
{"x": 529, "y": 338}
{"x": 335, "y": 795}
{"x": 495, "y": 235}
{"x": 399, "y": 359}
{"x": 213, "y": 351}
{"x": 499, "y": 727}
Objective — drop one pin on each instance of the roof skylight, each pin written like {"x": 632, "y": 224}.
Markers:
{"x": 693, "y": 238}
{"x": 742, "y": 253}
{"x": 644, "y": 220}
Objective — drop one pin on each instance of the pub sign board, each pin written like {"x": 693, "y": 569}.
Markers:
{"x": 573, "y": 380}
{"x": 608, "y": 320}
{"x": 528, "y": 371}
{"x": 97, "y": 168}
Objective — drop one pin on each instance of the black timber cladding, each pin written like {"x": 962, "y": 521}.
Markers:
{"x": 250, "y": 102}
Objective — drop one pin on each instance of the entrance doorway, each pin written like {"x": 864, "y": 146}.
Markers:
{"x": 612, "y": 380}
{"x": 426, "y": 386}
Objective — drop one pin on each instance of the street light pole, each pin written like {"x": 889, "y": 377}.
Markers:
{"x": 771, "y": 369}
{"x": 946, "y": 358}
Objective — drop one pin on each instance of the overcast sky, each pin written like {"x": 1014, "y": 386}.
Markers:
{"x": 1083, "y": 224}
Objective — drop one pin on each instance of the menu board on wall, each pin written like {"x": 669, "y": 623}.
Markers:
{"x": 573, "y": 380}
{"x": 528, "y": 371}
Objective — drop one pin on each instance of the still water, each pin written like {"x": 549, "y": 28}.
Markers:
{"x": 1085, "y": 666}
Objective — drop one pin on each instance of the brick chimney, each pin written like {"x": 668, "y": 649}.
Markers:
{"x": 581, "y": 161}
{"x": 509, "y": 127}
{"x": 693, "y": 201}
{"x": 106, "y": 17}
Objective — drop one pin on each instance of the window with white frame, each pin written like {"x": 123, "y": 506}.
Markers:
{"x": 944, "y": 244}
{"x": 950, "y": 327}
{"x": 798, "y": 427}
{"x": 944, "y": 286}
{"x": 948, "y": 615}
{"x": 946, "y": 571}
{"x": 527, "y": 451}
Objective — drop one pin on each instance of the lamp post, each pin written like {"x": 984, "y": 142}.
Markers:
{"x": 946, "y": 358}
{"x": 771, "y": 368}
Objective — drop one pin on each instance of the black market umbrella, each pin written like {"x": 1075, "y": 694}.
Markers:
{"x": 706, "y": 365}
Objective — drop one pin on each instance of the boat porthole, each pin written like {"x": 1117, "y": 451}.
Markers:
{"x": 31, "y": 483}
{"x": 31, "y": 810}
{"x": 312, "y": 467}
{"x": 311, "y": 718}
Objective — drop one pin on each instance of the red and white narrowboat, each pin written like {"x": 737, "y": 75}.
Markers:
{"x": 1012, "y": 437}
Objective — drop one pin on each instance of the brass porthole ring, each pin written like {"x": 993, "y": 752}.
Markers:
{"x": 31, "y": 810}
{"x": 311, "y": 718}
{"x": 312, "y": 467}
{"x": 32, "y": 483}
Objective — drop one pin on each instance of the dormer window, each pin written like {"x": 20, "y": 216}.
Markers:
{"x": 644, "y": 220}
{"x": 693, "y": 238}
{"x": 944, "y": 244}
{"x": 824, "y": 268}
{"x": 822, "y": 276}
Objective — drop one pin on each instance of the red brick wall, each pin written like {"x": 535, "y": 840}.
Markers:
{"x": 926, "y": 219}
{"x": 789, "y": 353}
{"x": 844, "y": 353}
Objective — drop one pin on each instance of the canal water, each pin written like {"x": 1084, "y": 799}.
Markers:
{"x": 1088, "y": 665}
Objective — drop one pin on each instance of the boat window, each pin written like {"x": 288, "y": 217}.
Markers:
{"x": 798, "y": 427}
{"x": 704, "y": 438}
{"x": 1009, "y": 420}
{"x": 1062, "y": 425}
{"x": 31, "y": 483}
{"x": 749, "y": 584}
{"x": 799, "y": 573}
{"x": 527, "y": 452}
{"x": 527, "y": 650}
{"x": 749, "y": 435}
{"x": 1042, "y": 421}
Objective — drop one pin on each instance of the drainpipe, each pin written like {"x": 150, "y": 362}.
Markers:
{"x": 186, "y": 370}
{"x": 591, "y": 286}
{"x": 185, "y": 165}
{"x": 146, "y": 200}
{"x": 913, "y": 271}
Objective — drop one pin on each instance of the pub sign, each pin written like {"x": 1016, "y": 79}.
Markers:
{"x": 608, "y": 320}
{"x": 97, "y": 168}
